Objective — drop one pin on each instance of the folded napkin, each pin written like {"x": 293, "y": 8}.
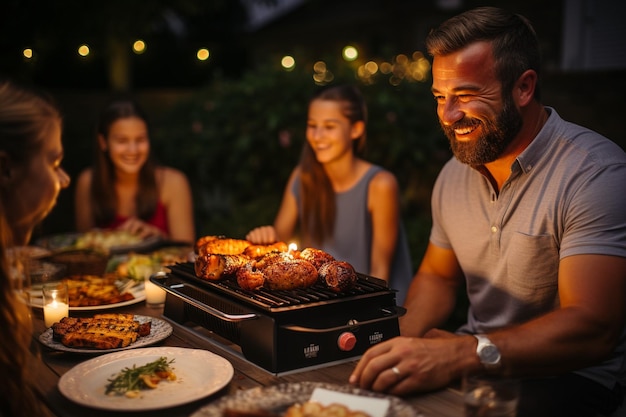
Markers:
{"x": 374, "y": 406}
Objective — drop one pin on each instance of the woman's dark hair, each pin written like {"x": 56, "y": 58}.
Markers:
{"x": 103, "y": 196}
{"x": 318, "y": 196}
{"x": 515, "y": 44}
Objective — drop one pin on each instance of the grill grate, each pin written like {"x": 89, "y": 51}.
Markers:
{"x": 365, "y": 285}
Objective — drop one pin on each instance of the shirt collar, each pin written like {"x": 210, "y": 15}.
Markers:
{"x": 537, "y": 148}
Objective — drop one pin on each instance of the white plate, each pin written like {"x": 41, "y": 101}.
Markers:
{"x": 159, "y": 330}
{"x": 138, "y": 291}
{"x": 199, "y": 373}
{"x": 278, "y": 398}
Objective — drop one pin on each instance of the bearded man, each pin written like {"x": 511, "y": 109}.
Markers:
{"x": 530, "y": 216}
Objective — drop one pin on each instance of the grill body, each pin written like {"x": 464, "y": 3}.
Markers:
{"x": 282, "y": 331}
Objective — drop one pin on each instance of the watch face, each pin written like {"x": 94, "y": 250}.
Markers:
{"x": 489, "y": 354}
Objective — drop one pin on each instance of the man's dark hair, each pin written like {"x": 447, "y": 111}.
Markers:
{"x": 515, "y": 44}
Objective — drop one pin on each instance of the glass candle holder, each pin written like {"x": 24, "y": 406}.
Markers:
{"x": 155, "y": 295}
{"x": 55, "y": 303}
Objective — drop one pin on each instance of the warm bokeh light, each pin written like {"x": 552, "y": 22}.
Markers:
{"x": 28, "y": 53}
{"x": 83, "y": 50}
{"x": 350, "y": 53}
{"x": 322, "y": 74}
{"x": 288, "y": 62}
{"x": 386, "y": 67}
{"x": 319, "y": 66}
{"x": 139, "y": 46}
{"x": 202, "y": 54}
{"x": 371, "y": 67}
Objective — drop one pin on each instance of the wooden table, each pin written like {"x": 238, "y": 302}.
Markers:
{"x": 53, "y": 364}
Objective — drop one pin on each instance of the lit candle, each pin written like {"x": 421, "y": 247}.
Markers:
{"x": 54, "y": 311}
{"x": 56, "y": 303}
{"x": 155, "y": 295}
{"x": 292, "y": 248}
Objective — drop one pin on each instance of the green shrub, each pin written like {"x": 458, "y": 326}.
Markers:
{"x": 238, "y": 141}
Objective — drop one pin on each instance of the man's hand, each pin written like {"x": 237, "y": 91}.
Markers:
{"x": 406, "y": 364}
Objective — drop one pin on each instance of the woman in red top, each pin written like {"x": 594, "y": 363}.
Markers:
{"x": 125, "y": 189}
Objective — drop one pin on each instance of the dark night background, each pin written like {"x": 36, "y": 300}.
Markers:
{"x": 218, "y": 120}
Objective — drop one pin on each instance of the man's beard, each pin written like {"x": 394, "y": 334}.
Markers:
{"x": 496, "y": 136}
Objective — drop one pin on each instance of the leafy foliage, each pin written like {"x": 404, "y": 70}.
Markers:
{"x": 238, "y": 141}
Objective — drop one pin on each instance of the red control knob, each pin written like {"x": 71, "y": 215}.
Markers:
{"x": 346, "y": 341}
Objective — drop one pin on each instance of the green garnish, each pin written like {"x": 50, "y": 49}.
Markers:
{"x": 132, "y": 379}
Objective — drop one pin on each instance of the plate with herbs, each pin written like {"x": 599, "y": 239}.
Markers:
{"x": 197, "y": 374}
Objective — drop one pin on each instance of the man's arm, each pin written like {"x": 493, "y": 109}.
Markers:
{"x": 583, "y": 331}
{"x": 432, "y": 295}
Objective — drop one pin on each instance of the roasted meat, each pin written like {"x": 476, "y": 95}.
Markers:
{"x": 213, "y": 267}
{"x": 289, "y": 275}
{"x": 316, "y": 256}
{"x": 270, "y": 266}
{"x": 249, "y": 277}
{"x": 257, "y": 251}
{"x": 338, "y": 276}
{"x": 221, "y": 246}
{"x": 103, "y": 331}
{"x": 277, "y": 273}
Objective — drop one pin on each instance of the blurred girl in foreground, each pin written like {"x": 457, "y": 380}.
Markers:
{"x": 125, "y": 189}
{"x": 30, "y": 180}
{"x": 343, "y": 204}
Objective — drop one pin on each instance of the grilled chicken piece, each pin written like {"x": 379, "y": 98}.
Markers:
{"x": 223, "y": 246}
{"x": 213, "y": 267}
{"x": 277, "y": 271}
{"x": 338, "y": 276}
{"x": 258, "y": 251}
{"x": 250, "y": 277}
{"x": 290, "y": 274}
{"x": 316, "y": 256}
{"x": 204, "y": 240}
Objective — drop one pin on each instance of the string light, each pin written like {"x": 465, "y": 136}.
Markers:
{"x": 83, "y": 50}
{"x": 27, "y": 53}
{"x": 139, "y": 47}
{"x": 202, "y": 54}
{"x": 288, "y": 63}
{"x": 350, "y": 53}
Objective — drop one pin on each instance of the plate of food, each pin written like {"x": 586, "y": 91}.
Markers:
{"x": 137, "y": 266}
{"x": 192, "y": 374}
{"x": 92, "y": 292}
{"x": 110, "y": 241}
{"x": 278, "y": 399}
{"x": 105, "y": 333}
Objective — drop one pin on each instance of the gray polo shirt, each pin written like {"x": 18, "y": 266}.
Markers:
{"x": 564, "y": 197}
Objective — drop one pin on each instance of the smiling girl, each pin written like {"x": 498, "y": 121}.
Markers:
{"x": 126, "y": 189}
{"x": 342, "y": 203}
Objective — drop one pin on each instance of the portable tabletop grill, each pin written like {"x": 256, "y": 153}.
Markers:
{"x": 284, "y": 330}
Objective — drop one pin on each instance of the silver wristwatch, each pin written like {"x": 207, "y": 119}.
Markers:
{"x": 487, "y": 352}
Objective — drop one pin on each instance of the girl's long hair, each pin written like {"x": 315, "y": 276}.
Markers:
{"x": 103, "y": 196}
{"x": 318, "y": 196}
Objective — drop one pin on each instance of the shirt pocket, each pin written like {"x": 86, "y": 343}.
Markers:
{"x": 532, "y": 270}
